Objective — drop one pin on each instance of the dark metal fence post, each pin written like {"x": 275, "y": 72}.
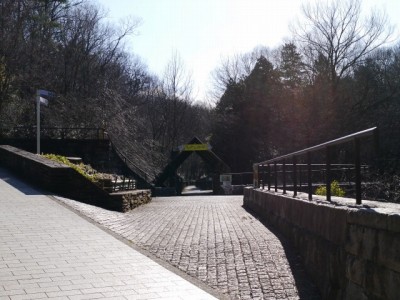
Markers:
{"x": 309, "y": 176}
{"x": 263, "y": 177}
{"x": 269, "y": 177}
{"x": 378, "y": 163}
{"x": 284, "y": 176}
{"x": 300, "y": 179}
{"x": 357, "y": 169}
{"x": 258, "y": 176}
{"x": 294, "y": 177}
{"x": 328, "y": 174}
{"x": 275, "y": 177}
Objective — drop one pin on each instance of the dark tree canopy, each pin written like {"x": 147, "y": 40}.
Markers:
{"x": 333, "y": 78}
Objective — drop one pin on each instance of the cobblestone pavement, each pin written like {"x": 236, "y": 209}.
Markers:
{"x": 214, "y": 239}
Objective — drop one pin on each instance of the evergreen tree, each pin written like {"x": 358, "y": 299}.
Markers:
{"x": 291, "y": 66}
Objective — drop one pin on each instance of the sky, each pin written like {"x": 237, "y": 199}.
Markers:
{"x": 203, "y": 32}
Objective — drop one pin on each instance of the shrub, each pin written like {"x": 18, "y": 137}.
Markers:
{"x": 85, "y": 170}
{"x": 382, "y": 187}
{"x": 336, "y": 190}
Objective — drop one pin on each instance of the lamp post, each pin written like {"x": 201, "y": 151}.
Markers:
{"x": 40, "y": 94}
{"x": 38, "y": 121}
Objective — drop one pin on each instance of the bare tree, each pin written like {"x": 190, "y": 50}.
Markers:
{"x": 177, "y": 81}
{"x": 235, "y": 68}
{"x": 177, "y": 87}
{"x": 338, "y": 32}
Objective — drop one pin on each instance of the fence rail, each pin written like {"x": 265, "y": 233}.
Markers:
{"x": 131, "y": 165}
{"x": 54, "y": 132}
{"x": 266, "y": 166}
{"x": 119, "y": 184}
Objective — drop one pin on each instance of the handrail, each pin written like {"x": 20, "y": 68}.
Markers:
{"x": 350, "y": 137}
{"x": 355, "y": 137}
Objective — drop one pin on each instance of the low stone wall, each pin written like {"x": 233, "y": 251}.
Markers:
{"x": 63, "y": 180}
{"x": 352, "y": 251}
{"x": 131, "y": 199}
{"x": 100, "y": 154}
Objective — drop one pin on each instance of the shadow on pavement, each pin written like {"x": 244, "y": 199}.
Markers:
{"x": 307, "y": 290}
{"x": 18, "y": 184}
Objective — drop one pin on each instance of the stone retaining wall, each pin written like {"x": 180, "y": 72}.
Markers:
{"x": 352, "y": 251}
{"x": 63, "y": 180}
{"x": 97, "y": 153}
{"x": 131, "y": 199}
{"x": 100, "y": 154}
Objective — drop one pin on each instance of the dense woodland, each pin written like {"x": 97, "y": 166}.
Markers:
{"x": 339, "y": 73}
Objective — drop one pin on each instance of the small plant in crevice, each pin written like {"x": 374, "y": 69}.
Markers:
{"x": 102, "y": 180}
{"x": 336, "y": 190}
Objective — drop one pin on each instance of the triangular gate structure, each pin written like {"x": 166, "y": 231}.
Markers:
{"x": 194, "y": 146}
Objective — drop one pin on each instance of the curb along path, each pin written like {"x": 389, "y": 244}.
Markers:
{"x": 215, "y": 240}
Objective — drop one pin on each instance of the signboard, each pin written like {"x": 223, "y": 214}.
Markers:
{"x": 225, "y": 178}
{"x": 196, "y": 147}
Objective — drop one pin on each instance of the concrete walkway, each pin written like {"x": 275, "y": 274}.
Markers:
{"x": 49, "y": 252}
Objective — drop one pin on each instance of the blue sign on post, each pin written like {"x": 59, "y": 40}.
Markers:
{"x": 44, "y": 93}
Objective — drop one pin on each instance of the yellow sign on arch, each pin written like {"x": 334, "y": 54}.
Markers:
{"x": 196, "y": 147}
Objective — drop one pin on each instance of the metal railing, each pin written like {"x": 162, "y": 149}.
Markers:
{"x": 267, "y": 165}
{"x": 131, "y": 165}
{"x": 118, "y": 184}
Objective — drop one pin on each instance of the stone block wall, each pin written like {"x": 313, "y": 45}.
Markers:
{"x": 62, "y": 180}
{"x": 373, "y": 255}
{"x": 131, "y": 199}
{"x": 351, "y": 251}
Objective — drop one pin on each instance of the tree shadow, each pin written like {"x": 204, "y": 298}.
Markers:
{"x": 18, "y": 183}
{"x": 306, "y": 288}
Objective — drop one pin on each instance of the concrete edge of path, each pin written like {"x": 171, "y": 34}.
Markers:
{"x": 198, "y": 283}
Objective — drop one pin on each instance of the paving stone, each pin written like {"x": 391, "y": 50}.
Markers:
{"x": 48, "y": 251}
{"x": 214, "y": 239}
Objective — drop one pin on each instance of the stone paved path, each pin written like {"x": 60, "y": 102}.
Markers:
{"x": 214, "y": 239}
{"x": 49, "y": 252}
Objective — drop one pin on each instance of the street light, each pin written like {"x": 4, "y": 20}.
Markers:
{"x": 40, "y": 99}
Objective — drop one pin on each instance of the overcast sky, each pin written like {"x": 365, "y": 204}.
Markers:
{"x": 204, "y": 31}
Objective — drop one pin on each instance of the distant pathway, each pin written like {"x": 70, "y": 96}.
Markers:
{"x": 214, "y": 239}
